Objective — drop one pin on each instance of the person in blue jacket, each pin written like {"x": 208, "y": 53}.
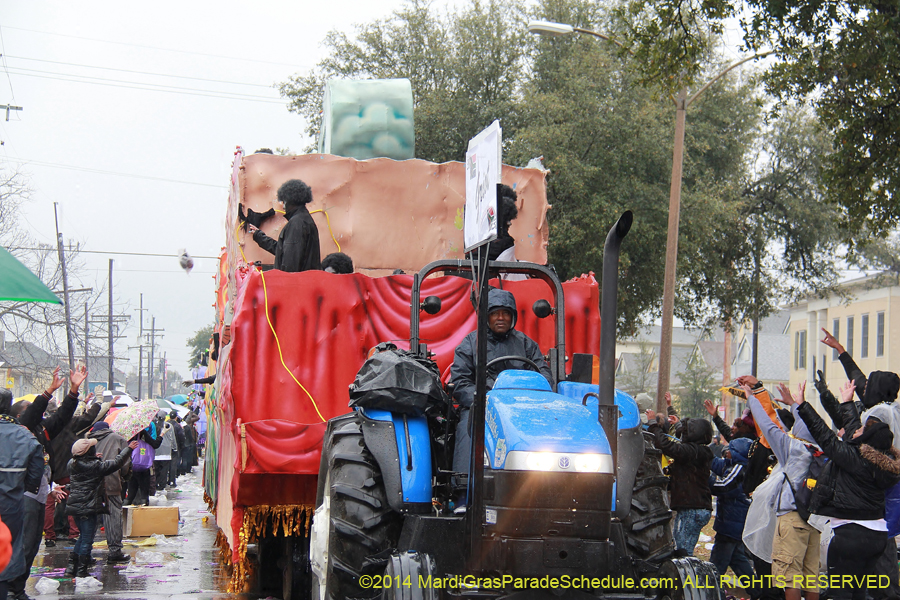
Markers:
{"x": 726, "y": 483}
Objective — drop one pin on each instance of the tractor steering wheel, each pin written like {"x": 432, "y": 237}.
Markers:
{"x": 523, "y": 359}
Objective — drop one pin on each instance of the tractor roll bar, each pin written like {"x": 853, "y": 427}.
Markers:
{"x": 557, "y": 354}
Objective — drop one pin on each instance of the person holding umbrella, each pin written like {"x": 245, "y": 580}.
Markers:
{"x": 135, "y": 424}
{"x": 87, "y": 496}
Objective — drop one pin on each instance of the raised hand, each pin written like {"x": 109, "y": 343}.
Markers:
{"x": 56, "y": 383}
{"x": 847, "y": 391}
{"x": 76, "y": 378}
{"x": 668, "y": 398}
{"x": 747, "y": 380}
{"x": 710, "y": 408}
{"x": 832, "y": 342}
{"x": 786, "y": 396}
{"x": 801, "y": 393}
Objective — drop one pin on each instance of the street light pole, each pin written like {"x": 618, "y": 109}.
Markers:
{"x": 682, "y": 103}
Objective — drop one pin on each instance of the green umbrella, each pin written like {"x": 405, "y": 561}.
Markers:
{"x": 19, "y": 284}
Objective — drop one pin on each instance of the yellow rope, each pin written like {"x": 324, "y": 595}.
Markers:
{"x": 328, "y": 222}
{"x": 278, "y": 344}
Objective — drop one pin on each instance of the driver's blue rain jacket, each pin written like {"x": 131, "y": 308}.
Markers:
{"x": 512, "y": 343}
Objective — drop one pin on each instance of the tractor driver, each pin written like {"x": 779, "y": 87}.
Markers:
{"x": 503, "y": 340}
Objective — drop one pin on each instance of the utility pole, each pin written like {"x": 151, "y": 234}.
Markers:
{"x": 165, "y": 372}
{"x": 86, "y": 334}
{"x": 153, "y": 331}
{"x": 65, "y": 279}
{"x": 9, "y": 107}
{"x": 110, "y": 326}
{"x": 141, "y": 351}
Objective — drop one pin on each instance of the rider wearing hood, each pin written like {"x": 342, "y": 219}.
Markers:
{"x": 689, "y": 475}
{"x": 502, "y": 340}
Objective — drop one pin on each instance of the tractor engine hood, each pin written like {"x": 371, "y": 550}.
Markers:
{"x": 530, "y": 428}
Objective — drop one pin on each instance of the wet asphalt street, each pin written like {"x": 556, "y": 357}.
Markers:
{"x": 183, "y": 566}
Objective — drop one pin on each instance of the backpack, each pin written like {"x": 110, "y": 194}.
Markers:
{"x": 803, "y": 495}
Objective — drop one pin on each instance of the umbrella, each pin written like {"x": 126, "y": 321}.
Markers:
{"x": 132, "y": 419}
{"x": 112, "y": 414}
{"x": 167, "y": 406}
{"x": 20, "y": 284}
{"x": 178, "y": 399}
{"x": 26, "y": 398}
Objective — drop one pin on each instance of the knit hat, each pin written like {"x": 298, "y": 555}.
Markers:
{"x": 747, "y": 418}
{"x": 100, "y": 425}
{"x": 878, "y": 435}
{"x": 80, "y": 447}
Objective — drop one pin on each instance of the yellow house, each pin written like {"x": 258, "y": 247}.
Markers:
{"x": 860, "y": 317}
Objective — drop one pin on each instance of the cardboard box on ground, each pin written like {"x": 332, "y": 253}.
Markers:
{"x": 144, "y": 521}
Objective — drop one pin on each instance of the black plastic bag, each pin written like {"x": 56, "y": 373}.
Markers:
{"x": 398, "y": 381}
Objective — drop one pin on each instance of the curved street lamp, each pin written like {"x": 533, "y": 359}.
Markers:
{"x": 682, "y": 102}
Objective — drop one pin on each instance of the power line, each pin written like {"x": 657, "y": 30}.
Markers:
{"x": 3, "y": 50}
{"x": 120, "y": 253}
{"x": 105, "y": 172}
{"x": 268, "y": 62}
{"x": 56, "y": 62}
{"x": 223, "y": 96}
{"x": 23, "y": 70}
{"x": 163, "y": 87}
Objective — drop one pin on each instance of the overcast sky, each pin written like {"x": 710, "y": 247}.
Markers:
{"x": 121, "y": 122}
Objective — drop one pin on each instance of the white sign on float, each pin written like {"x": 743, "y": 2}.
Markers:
{"x": 483, "y": 166}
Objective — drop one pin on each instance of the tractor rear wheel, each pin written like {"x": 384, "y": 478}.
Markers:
{"x": 648, "y": 528}
{"x": 353, "y": 520}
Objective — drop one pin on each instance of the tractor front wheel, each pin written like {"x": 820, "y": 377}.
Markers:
{"x": 353, "y": 521}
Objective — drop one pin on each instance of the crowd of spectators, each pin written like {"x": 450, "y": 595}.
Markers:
{"x": 786, "y": 480}
{"x": 64, "y": 471}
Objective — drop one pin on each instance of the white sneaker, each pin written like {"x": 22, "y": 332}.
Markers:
{"x": 459, "y": 510}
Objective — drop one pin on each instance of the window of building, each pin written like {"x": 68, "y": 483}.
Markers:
{"x": 879, "y": 334}
{"x": 849, "y": 345}
{"x": 836, "y": 332}
{"x": 800, "y": 350}
{"x": 864, "y": 337}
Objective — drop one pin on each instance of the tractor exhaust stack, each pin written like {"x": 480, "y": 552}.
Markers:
{"x": 608, "y": 413}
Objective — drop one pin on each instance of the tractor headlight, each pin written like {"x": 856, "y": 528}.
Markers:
{"x": 518, "y": 460}
{"x": 539, "y": 461}
{"x": 588, "y": 463}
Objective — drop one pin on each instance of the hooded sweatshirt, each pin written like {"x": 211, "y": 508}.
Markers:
{"x": 725, "y": 483}
{"x": 689, "y": 472}
{"x": 512, "y": 343}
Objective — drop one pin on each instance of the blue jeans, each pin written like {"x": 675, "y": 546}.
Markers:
{"x": 87, "y": 526}
{"x": 688, "y": 523}
{"x": 728, "y": 551}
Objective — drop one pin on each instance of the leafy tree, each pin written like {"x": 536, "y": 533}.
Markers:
{"x": 843, "y": 58}
{"x": 781, "y": 242}
{"x": 607, "y": 141}
{"x": 198, "y": 344}
{"x": 464, "y": 68}
{"x": 698, "y": 382}
{"x": 605, "y": 133}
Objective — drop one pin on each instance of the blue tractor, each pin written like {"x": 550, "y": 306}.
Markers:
{"x": 568, "y": 501}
